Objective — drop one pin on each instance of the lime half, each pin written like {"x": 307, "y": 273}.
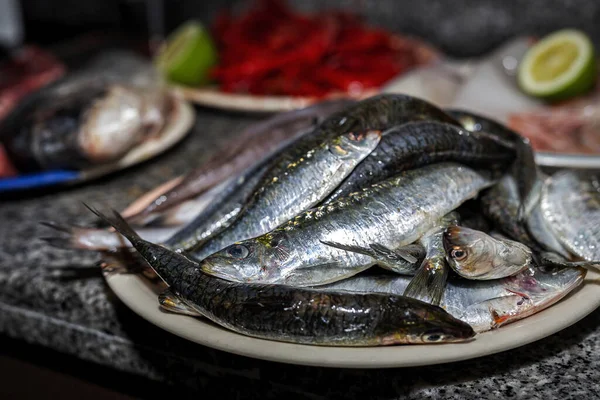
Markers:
{"x": 559, "y": 66}
{"x": 187, "y": 55}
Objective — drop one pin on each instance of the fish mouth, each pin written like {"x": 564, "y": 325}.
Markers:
{"x": 207, "y": 267}
{"x": 462, "y": 332}
{"x": 219, "y": 271}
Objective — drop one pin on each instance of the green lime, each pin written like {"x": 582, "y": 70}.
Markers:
{"x": 187, "y": 55}
{"x": 559, "y": 66}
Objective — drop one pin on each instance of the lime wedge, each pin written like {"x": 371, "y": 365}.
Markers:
{"x": 559, "y": 66}
{"x": 187, "y": 55}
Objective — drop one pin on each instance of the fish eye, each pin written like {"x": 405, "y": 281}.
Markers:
{"x": 433, "y": 337}
{"x": 458, "y": 254}
{"x": 238, "y": 251}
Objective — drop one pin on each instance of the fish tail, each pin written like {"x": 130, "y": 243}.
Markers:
{"x": 168, "y": 264}
{"x": 119, "y": 223}
{"x": 530, "y": 201}
{"x": 428, "y": 284}
{"x": 58, "y": 242}
{"x": 61, "y": 242}
{"x": 78, "y": 237}
{"x": 56, "y": 226}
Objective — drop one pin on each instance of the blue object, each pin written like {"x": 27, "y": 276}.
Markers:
{"x": 38, "y": 179}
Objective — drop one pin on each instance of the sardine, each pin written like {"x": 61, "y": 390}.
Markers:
{"x": 220, "y": 213}
{"x": 306, "y": 316}
{"x": 484, "y": 305}
{"x": 524, "y": 169}
{"x": 571, "y": 206}
{"x": 476, "y": 255}
{"x": 416, "y": 144}
{"x": 302, "y": 184}
{"x": 254, "y": 144}
{"x": 394, "y": 213}
{"x": 500, "y": 204}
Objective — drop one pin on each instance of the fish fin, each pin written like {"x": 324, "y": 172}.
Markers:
{"x": 75, "y": 238}
{"x": 554, "y": 260}
{"x": 168, "y": 264}
{"x": 119, "y": 224}
{"x": 56, "y": 226}
{"x": 530, "y": 201}
{"x": 169, "y": 301}
{"x": 58, "y": 242}
{"x": 406, "y": 252}
{"x": 347, "y": 247}
{"x": 428, "y": 283}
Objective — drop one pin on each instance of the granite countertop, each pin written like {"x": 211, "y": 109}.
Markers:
{"x": 57, "y": 299}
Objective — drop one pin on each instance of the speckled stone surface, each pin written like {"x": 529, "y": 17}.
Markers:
{"x": 59, "y": 300}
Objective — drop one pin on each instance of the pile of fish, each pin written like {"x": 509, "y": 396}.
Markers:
{"x": 377, "y": 222}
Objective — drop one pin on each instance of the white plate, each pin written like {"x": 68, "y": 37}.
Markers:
{"x": 141, "y": 296}
{"x": 213, "y": 97}
{"x": 558, "y": 160}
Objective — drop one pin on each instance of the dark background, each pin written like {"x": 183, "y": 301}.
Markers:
{"x": 460, "y": 27}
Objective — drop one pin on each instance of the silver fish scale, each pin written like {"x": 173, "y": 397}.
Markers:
{"x": 571, "y": 205}
{"x": 474, "y": 301}
{"x": 394, "y": 213}
{"x": 543, "y": 233}
{"x": 299, "y": 186}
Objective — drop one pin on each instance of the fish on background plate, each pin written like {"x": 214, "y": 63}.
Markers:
{"x": 109, "y": 115}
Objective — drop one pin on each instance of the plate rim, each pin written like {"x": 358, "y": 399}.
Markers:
{"x": 567, "y": 160}
{"x": 128, "y": 288}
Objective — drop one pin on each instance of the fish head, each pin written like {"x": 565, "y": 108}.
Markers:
{"x": 467, "y": 251}
{"x": 476, "y": 255}
{"x": 260, "y": 259}
{"x": 354, "y": 145}
{"x": 432, "y": 324}
{"x": 525, "y": 294}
